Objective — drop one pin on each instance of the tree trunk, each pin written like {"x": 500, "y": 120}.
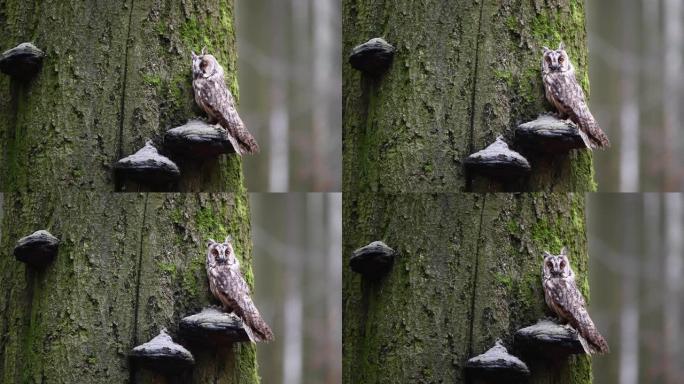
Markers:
{"x": 466, "y": 274}
{"x": 464, "y": 72}
{"x": 115, "y": 74}
{"x": 128, "y": 265}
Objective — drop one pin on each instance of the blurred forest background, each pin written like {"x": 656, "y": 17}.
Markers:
{"x": 636, "y": 265}
{"x": 637, "y": 92}
{"x": 297, "y": 246}
{"x": 289, "y": 72}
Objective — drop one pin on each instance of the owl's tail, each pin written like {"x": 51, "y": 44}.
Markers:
{"x": 258, "y": 330}
{"x": 597, "y": 138}
{"x": 239, "y": 136}
{"x": 588, "y": 330}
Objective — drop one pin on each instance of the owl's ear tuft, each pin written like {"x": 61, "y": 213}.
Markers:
{"x": 204, "y": 50}
{"x": 564, "y": 251}
{"x": 561, "y": 46}
{"x": 547, "y": 254}
{"x": 211, "y": 242}
{"x": 193, "y": 55}
{"x": 545, "y": 49}
{"x": 229, "y": 239}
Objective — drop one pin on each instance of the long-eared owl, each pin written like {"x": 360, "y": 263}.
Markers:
{"x": 566, "y": 95}
{"x": 229, "y": 286}
{"x": 563, "y": 297}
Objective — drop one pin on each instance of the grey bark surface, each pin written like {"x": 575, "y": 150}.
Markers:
{"x": 128, "y": 265}
{"x": 115, "y": 74}
{"x": 464, "y": 72}
{"x": 467, "y": 272}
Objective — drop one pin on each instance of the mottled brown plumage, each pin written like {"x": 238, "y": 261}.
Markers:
{"x": 227, "y": 284}
{"x": 563, "y": 297}
{"x": 214, "y": 97}
{"x": 566, "y": 95}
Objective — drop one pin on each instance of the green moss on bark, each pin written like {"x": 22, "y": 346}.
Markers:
{"x": 452, "y": 91}
{"x": 76, "y": 321}
{"x": 467, "y": 273}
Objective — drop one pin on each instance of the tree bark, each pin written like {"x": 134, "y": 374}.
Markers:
{"x": 467, "y": 273}
{"x": 115, "y": 74}
{"x": 128, "y": 265}
{"x": 464, "y": 72}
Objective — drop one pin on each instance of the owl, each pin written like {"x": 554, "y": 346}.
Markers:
{"x": 212, "y": 95}
{"x": 566, "y": 95}
{"x": 563, "y": 297}
{"x": 227, "y": 284}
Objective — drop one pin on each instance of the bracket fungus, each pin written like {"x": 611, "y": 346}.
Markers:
{"x": 372, "y": 57}
{"x": 148, "y": 166}
{"x": 549, "y": 134}
{"x": 498, "y": 161}
{"x": 547, "y": 338}
{"x": 373, "y": 260}
{"x": 198, "y": 139}
{"x": 162, "y": 355}
{"x": 37, "y": 249}
{"x": 497, "y": 366}
{"x": 22, "y": 61}
{"x": 213, "y": 327}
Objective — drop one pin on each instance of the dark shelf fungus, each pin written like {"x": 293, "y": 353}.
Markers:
{"x": 498, "y": 161}
{"x": 37, "y": 249}
{"x": 147, "y": 166}
{"x": 213, "y": 327}
{"x": 547, "y": 338}
{"x": 373, "y": 260}
{"x": 548, "y": 134}
{"x": 198, "y": 139}
{"x": 372, "y": 57}
{"x": 162, "y": 355}
{"x": 497, "y": 366}
{"x": 22, "y": 61}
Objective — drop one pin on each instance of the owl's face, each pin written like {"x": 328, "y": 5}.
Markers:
{"x": 221, "y": 253}
{"x": 204, "y": 65}
{"x": 556, "y": 61}
{"x": 557, "y": 265}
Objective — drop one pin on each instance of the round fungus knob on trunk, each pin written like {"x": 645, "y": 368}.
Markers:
{"x": 548, "y": 134}
{"x": 147, "y": 166}
{"x": 37, "y": 249}
{"x": 498, "y": 161}
{"x": 549, "y": 339}
{"x": 497, "y": 366}
{"x": 162, "y": 355}
{"x": 213, "y": 327}
{"x": 372, "y": 57}
{"x": 22, "y": 61}
{"x": 198, "y": 139}
{"x": 373, "y": 260}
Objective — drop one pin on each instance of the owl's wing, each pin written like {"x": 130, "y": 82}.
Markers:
{"x": 222, "y": 106}
{"x": 247, "y": 311}
{"x": 569, "y": 95}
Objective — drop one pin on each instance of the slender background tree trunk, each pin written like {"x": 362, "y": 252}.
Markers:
{"x": 467, "y": 273}
{"x": 115, "y": 74}
{"x": 128, "y": 265}
{"x": 464, "y": 72}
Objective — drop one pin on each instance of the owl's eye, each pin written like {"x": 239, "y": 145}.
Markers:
{"x": 214, "y": 252}
{"x": 548, "y": 59}
{"x": 562, "y": 264}
{"x": 560, "y": 59}
{"x": 549, "y": 264}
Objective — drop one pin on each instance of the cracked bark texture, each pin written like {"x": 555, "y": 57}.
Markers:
{"x": 464, "y": 72}
{"x": 128, "y": 265}
{"x": 467, "y": 273}
{"x": 115, "y": 74}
